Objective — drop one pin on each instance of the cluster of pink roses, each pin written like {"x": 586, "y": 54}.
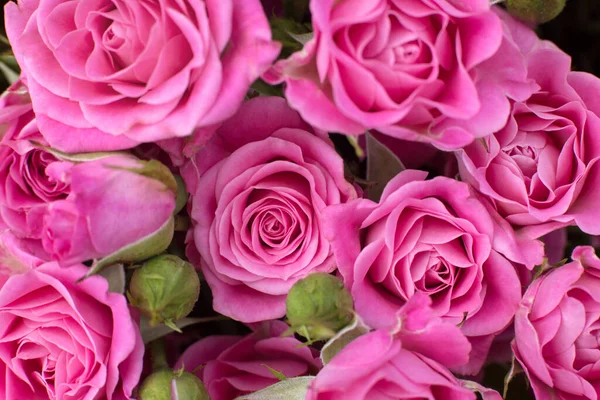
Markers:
{"x": 135, "y": 119}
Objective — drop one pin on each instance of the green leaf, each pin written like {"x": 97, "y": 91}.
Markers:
{"x": 146, "y": 247}
{"x": 290, "y": 389}
{"x": 182, "y": 195}
{"x": 156, "y": 170}
{"x": 80, "y": 157}
{"x": 265, "y": 89}
{"x": 342, "y": 338}
{"x": 277, "y": 374}
{"x": 115, "y": 276}
{"x": 9, "y": 68}
{"x": 173, "y": 326}
{"x": 382, "y": 166}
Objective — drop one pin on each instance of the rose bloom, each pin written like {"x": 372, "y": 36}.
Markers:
{"x": 376, "y": 366}
{"x": 257, "y": 210}
{"x": 434, "y": 237}
{"x": 540, "y": 171}
{"x": 26, "y": 187}
{"x": 557, "y": 330}
{"x": 110, "y": 205}
{"x": 109, "y": 74}
{"x": 19, "y": 255}
{"x": 231, "y": 366}
{"x": 428, "y": 71}
{"x": 66, "y": 340}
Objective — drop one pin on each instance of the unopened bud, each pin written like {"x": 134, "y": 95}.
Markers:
{"x": 318, "y": 306}
{"x": 538, "y": 11}
{"x": 172, "y": 385}
{"x": 165, "y": 289}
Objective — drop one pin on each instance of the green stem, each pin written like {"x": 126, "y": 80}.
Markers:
{"x": 158, "y": 355}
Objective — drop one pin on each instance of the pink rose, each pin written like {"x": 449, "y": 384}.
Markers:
{"x": 540, "y": 171}
{"x": 110, "y": 74}
{"x": 257, "y": 210}
{"x": 25, "y": 186}
{"x": 237, "y": 365}
{"x": 19, "y": 255}
{"x": 429, "y": 71}
{"x": 378, "y": 366}
{"x": 62, "y": 340}
{"x": 433, "y": 237}
{"x": 557, "y": 330}
{"x": 111, "y": 205}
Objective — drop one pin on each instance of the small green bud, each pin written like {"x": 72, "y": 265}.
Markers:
{"x": 169, "y": 385}
{"x": 165, "y": 289}
{"x": 539, "y": 11}
{"x": 318, "y": 306}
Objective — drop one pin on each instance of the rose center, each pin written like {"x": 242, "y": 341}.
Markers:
{"x": 438, "y": 276}
{"x": 113, "y": 38}
{"x": 526, "y": 158}
{"x": 34, "y": 174}
{"x": 407, "y": 53}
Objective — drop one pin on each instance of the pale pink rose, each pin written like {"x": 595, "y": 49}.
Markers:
{"x": 431, "y": 71}
{"x": 434, "y": 237}
{"x": 230, "y": 366}
{"x": 109, "y": 206}
{"x": 63, "y": 340}
{"x": 25, "y": 186}
{"x": 111, "y": 74}
{"x": 377, "y": 366}
{"x": 557, "y": 330}
{"x": 257, "y": 209}
{"x": 540, "y": 171}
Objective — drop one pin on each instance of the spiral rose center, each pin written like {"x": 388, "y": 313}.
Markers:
{"x": 113, "y": 38}
{"x": 275, "y": 225}
{"x": 526, "y": 157}
{"x": 408, "y": 53}
{"x": 41, "y": 360}
{"x": 34, "y": 174}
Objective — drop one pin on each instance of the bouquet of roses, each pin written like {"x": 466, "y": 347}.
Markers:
{"x": 324, "y": 199}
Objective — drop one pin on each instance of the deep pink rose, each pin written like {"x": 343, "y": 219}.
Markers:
{"x": 110, "y": 206}
{"x": 111, "y": 74}
{"x": 437, "y": 238}
{"x": 231, "y": 366}
{"x": 557, "y": 330}
{"x": 68, "y": 341}
{"x": 257, "y": 211}
{"x": 430, "y": 71}
{"x": 377, "y": 366}
{"x": 540, "y": 171}
{"x": 25, "y": 186}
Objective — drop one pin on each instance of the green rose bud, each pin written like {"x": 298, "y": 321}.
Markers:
{"x": 170, "y": 385}
{"x": 318, "y": 306}
{"x": 165, "y": 289}
{"x": 539, "y": 11}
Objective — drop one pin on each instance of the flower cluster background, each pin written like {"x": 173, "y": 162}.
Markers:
{"x": 299, "y": 199}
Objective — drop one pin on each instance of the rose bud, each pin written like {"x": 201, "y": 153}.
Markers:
{"x": 318, "y": 306}
{"x": 165, "y": 289}
{"x": 539, "y": 11}
{"x": 174, "y": 385}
